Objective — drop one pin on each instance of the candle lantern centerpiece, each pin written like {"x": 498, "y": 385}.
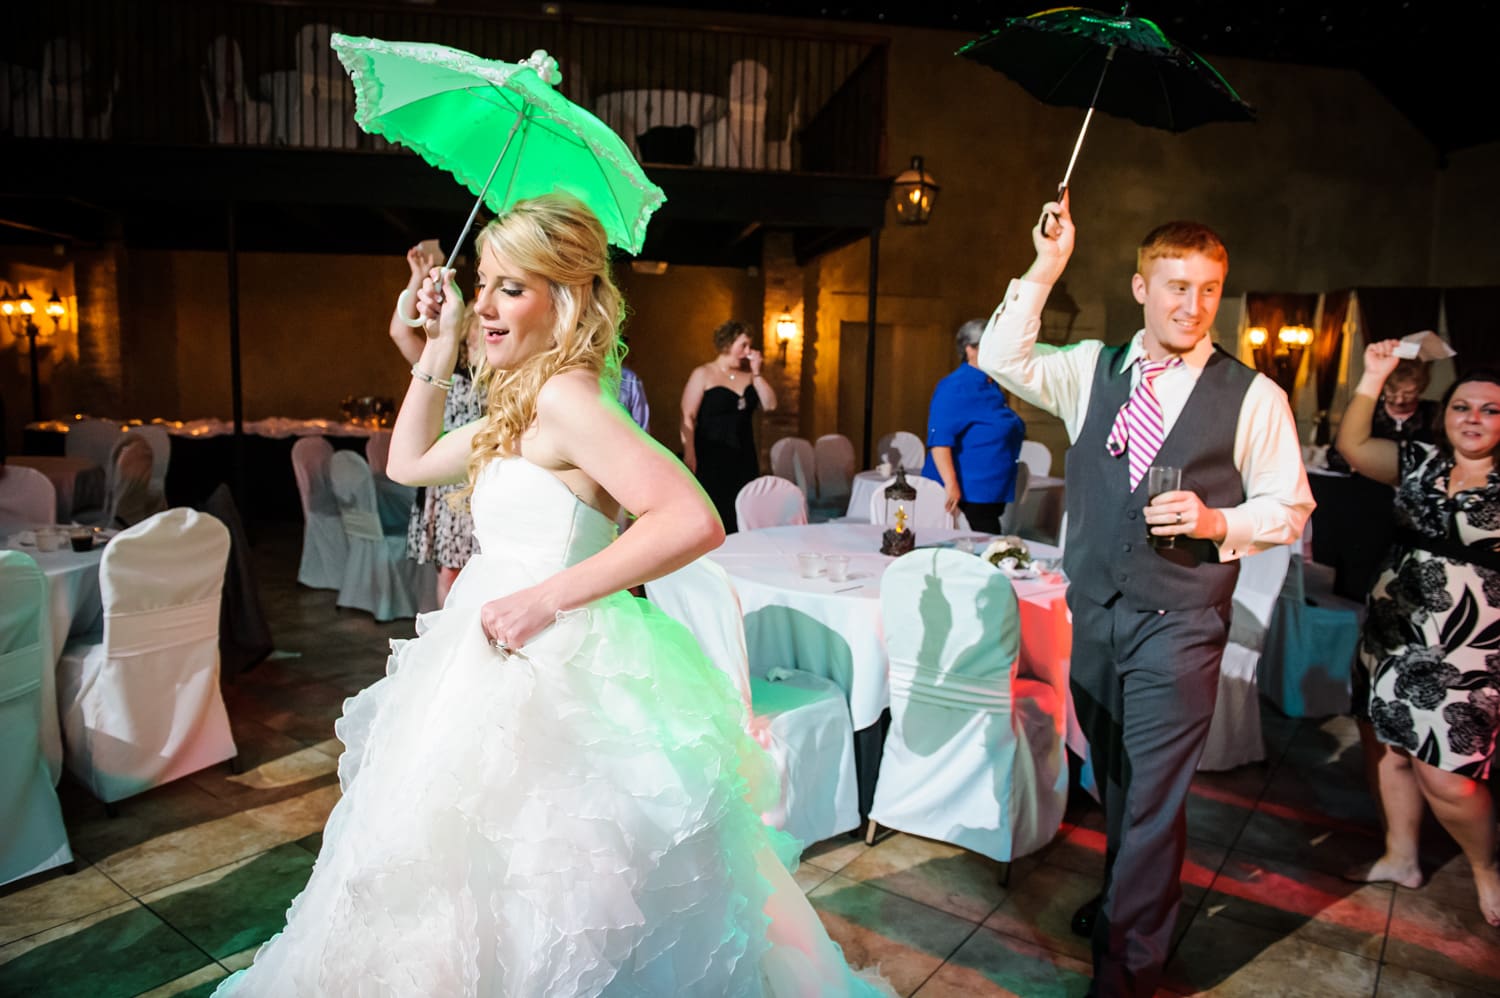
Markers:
{"x": 900, "y": 504}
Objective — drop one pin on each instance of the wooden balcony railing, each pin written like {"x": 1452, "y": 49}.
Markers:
{"x": 183, "y": 72}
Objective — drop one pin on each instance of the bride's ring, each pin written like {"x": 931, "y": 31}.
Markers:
{"x": 1179, "y": 517}
{"x": 500, "y": 646}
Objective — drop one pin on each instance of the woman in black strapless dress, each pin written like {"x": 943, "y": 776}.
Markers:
{"x": 718, "y": 408}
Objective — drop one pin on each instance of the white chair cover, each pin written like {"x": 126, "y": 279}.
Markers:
{"x": 378, "y": 576}
{"x": 322, "y": 113}
{"x": 32, "y": 835}
{"x": 1036, "y": 456}
{"x": 1234, "y": 735}
{"x": 93, "y": 440}
{"x": 27, "y": 498}
{"x": 801, "y": 719}
{"x": 378, "y": 451}
{"x": 908, "y": 450}
{"x": 975, "y": 754}
{"x": 770, "y": 501}
{"x": 325, "y": 550}
{"x": 75, "y": 104}
{"x": 739, "y": 138}
{"x": 1012, "y": 521}
{"x": 142, "y": 707}
{"x": 928, "y": 511}
{"x": 1310, "y": 648}
{"x": 792, "y": 459}
{"x": 834, "y": 455}
{"x": 233, "y": 117}
{"x": 130, "y": 492}
{"x": 161, "y": 453}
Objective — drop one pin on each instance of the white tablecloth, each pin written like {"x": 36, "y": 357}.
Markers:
{"x": 75, "y": 607}
{"x": 833, "y": 629}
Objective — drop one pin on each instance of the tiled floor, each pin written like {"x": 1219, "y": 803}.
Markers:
{"x": 181, "y": 887}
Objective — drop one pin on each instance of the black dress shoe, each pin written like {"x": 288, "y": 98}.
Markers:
{"x": 1086, "y": 915}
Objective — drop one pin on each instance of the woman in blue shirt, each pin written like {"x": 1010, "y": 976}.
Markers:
{"x": 973, "y": 438}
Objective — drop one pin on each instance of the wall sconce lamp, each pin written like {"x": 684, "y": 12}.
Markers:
{"x": 20, "y": 310}
{"x": 786, "y": 331}
{"x": 913, "y": 193}
{"x": 1281, "y": 358}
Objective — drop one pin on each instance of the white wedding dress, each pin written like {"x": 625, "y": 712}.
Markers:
{"x": 578, "y": 819}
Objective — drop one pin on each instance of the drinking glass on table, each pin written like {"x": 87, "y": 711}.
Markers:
{"x": 809, "y": 563}
{"x": 838, "y": 567}
{"x": 1161, "y": 478}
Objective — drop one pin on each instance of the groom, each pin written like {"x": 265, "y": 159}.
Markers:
{"x": 1150, "y": 621}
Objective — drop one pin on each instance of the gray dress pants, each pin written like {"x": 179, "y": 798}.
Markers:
{"x": 1144, "y": 684}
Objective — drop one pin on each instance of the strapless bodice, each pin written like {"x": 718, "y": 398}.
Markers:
{"x": 525, "y": 514}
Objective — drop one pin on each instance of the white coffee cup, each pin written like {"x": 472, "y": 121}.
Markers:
{"x": 838, "y": 567}
{"x": 809, "y": 563}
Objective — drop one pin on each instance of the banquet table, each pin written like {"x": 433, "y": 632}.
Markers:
{"x": 79, "y": 483}
{"x": 833, "y": 629}
{"x": 75, "y": 607}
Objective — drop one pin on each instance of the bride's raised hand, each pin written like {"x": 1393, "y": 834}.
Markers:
{"x": 440, "y": 304}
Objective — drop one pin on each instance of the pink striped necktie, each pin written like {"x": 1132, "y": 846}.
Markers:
{"x": 1139, "y": 427}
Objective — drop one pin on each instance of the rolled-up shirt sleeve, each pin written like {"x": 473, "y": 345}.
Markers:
{"x": 945, "y": 422}
{"x": 1056, "y": 380}
{"x": 1268, "y": 455}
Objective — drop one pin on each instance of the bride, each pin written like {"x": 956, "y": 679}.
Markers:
{"x": 551, "y": 793}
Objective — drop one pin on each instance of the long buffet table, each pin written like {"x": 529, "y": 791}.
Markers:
{"x": 203, "y": 455}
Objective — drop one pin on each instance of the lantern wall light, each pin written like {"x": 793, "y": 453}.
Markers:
{"x": 786, "y": 331}
{"x": 913, "y": 194}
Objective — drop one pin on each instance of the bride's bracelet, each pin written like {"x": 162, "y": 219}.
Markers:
{"x": 421, "y": 375}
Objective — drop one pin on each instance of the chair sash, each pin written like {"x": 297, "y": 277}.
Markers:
{"x": 362, "y": 525}
{"x": 13, "y": 683}
{"x": 147, "y": 632}
{"x": 989, "y": 694}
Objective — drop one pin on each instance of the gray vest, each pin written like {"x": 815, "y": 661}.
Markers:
{"x": 1107, "y": 553}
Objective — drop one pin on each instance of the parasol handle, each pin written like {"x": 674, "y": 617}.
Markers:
{"x": 404, "y": 303}
{"x": 1109, "y": 57}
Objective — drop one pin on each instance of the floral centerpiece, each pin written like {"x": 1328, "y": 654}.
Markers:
{"x": 1008, "y": 553}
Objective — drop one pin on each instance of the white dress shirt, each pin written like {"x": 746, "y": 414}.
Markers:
{"x": 1060, "y": 380}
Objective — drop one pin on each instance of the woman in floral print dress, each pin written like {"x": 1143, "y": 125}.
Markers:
{"x": 438, "y": 531}
{"x": 1428, "y": 681}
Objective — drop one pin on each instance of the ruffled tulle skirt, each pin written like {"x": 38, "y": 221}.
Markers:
{"x": 580, "y": 819}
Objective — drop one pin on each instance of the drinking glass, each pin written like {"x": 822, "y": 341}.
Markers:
{"x": 810, "y": 563}
{"x": 838, "y": 567}
{"x": 1162, "y": 478}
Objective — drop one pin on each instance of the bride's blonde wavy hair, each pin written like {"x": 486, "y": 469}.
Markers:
{"x": 557, "y": 238}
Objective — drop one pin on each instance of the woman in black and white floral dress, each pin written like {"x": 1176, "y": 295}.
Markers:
{"x": 1427, "y": 686}
{"x": 438, "y": 532}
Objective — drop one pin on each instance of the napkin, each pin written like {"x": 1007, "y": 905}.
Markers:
{"x": 1425, "y": 345}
